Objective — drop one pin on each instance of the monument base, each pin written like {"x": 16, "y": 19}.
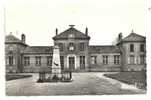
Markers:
{"x": 63, "y": 77}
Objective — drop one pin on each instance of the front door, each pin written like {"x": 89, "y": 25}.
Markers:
{"x": 71, "y": 63}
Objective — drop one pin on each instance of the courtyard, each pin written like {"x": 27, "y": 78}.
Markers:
{"x": 86, "y": 83}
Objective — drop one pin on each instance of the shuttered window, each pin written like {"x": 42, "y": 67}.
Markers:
{"x": 38, "y": 60}
{"x": 81, "y": 46}
{"x": 62, "y": 62}
{"x": 82, "y": 62}
{"x": 105, "y": 59}
{"x": 117, "y": 59}
{"x": 142, "y": 48}
{"x": 93, "y": 59}
{"x": 142, "y": 59}
{"x": 131, "y": 59}
{"x": 26, "y": 61}
{"x": 49, "y": 60}
{"x": 131, "y": 47}
{"x": 61, "y": 46}
{"x": 10, "y": 60}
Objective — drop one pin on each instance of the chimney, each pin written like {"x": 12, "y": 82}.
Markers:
{"x": 132, "y": 31}
{"x": 56, "y": 31}
{"x": 23, "y": 38}
{"x": 10, "y": 33}
{"x": 86, "y": 31}
{"x": 120, "y": 37}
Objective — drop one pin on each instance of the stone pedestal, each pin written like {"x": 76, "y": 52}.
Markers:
{"x": 56, "y": 66}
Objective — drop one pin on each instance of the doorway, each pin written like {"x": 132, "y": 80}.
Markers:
{"x": 72, "y": 63}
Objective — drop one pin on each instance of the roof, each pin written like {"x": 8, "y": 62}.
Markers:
{"x": 39, "y": 49}
{"x": 12, "y": 39}
{"x": 77, "y": 34}
{"x": 104, "y": 49}
{"x": 134, "y": 37}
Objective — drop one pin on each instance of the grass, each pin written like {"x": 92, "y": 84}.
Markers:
{"x": 13, "y": 77}
{"x": 135, "y": 78}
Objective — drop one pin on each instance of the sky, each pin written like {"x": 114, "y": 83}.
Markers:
{"x": 105, "y": 19}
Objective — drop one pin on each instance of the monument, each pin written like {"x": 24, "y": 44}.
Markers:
{"x": 56, "y": 67}
{"x": 56, "y": 74}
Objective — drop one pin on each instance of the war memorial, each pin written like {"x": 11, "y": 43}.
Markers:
{"x": 55, "y": 74}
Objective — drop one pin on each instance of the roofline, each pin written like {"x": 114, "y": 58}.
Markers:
{"x": 136, "y": 34}
{"x": 54, "y": 38}
{"x": 16, "y": 43}
{"x": 105, "y": 53}
{"x": 102, "y": 45}
{"x": 37, "y": 53}
{"x": 40, "y": 46}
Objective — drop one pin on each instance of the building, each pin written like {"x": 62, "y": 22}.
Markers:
{"x": 76, "y": 54}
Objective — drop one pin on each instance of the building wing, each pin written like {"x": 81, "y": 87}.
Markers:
{"x": 104, "y": 49}
{"x": 39, "y": 49}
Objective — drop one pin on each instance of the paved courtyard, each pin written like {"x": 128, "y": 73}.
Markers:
{"x": 83, "y": 84}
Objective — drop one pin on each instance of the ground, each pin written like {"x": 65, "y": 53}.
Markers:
{"x": 137, "y": 78}
{"x": 92, "y": 83}
{"x": 13, "y": 77}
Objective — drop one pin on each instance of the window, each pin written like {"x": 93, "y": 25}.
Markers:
{"x": 82, "y": 62}
{"x": 11, "y": 48}
{"x": 9, "y": 61}
{"x": 81, "y": 47}
{"x": 49, "y": 60}
{"x": 105, "y": 59}
{"x": 117, "y": 59}
{"x": 131, "y": 47}
{"x": 93, "y": 59}
{"x": 62, "y": 62}
{"x": 142, "y": 48}
{"x": 71, "y": 46}
{"x": 142, "y": 59}
{"x": 26, "y": 61}
{"x": 61, "y": 46}
{"x": 38, "y": 60}
{"x": 131, "y": 59}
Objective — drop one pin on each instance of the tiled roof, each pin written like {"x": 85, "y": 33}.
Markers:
{"x": 39, "y": 49}
{"x": 12, "y": 39}
{"x": 104, "y": 49}
{"x": 77, "y": 34}
{"x": 134, "y": 37}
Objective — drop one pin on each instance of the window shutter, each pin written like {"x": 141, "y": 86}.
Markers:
{"x": 135, "y": 60}
{"x": 128, "y": 60}
{"x": 139, "y": 62}
{"x": 13, "y": 61}
{"x": 7, "y": 61}
{"x": 79, "y": 46}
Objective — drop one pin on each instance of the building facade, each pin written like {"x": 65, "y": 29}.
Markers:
{"x": 76, "y": 54}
